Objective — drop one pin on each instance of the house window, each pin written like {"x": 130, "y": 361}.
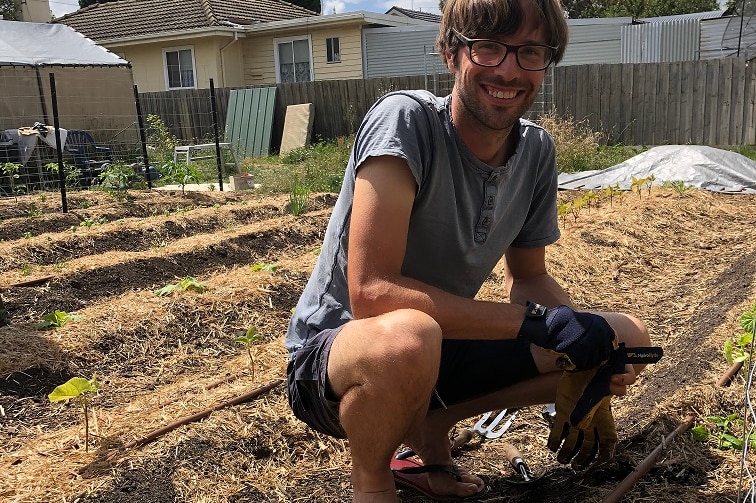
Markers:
{"x": 179, "y": 68}
{"x": 293, "y": 60}
{"x": 333, "y": 50}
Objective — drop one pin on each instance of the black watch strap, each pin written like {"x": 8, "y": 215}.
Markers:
{"x": 533, "y": 326}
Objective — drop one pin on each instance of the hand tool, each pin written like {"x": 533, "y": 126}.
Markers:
{"x": 523, "y": 475}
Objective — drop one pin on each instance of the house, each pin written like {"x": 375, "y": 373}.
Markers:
{"x": 414, "y": 14}
{"x": 180, "y": 44}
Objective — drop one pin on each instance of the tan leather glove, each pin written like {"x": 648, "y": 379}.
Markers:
{"x": 583, "y": 435}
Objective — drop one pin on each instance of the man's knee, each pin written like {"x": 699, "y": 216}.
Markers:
{"x": 411, "y": 337}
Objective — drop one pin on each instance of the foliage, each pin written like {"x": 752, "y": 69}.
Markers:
{"x": 723, "y": 429}
{"x": 635, "y": 8}
{"x": 159, "y": 139}
{"x": 264, "y": 266}
{"x": 56, "y": 319}
{"x": 11, "y": 170}
{"x": 298, "y": 198}
{"x": 80, "y": 388}
{"x": 678, "y": 186}
{"x": 747, "y": 151}
{"x": 188, "y": 283}
{"x": 250, "y": 337}
{"x": 313, "y": 5}
{"x": 70, "y": 172}
{"x": 10, "y": 10}
{"x": 118, "y": 176}
{"x": 737, "y": 348}
{"x": 180, "y": 173}
{"x": 579, "y": 148}
{"x": 639, "y": 183}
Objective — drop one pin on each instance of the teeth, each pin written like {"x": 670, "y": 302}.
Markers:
{"x": 501, "y": 94}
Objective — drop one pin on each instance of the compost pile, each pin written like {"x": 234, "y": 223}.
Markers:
{"x": 683, "y": 262}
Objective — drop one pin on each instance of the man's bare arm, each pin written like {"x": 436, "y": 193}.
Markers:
{"x": 384, "y": 193}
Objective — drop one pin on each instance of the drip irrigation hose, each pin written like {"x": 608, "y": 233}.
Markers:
{"x": 201, "y": 415}
{"x": 644, "y": 466}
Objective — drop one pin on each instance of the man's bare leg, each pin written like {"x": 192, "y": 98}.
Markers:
{"x": 384, "y": 369}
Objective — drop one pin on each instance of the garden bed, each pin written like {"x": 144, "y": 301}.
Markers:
{"x": 685, "y": 263}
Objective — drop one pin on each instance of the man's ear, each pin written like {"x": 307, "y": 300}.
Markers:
{"x": 450, "y": 63}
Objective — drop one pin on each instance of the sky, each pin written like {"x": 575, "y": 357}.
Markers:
{"x": 61, "y": 7}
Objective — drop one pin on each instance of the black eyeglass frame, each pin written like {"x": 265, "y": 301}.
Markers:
{"x": 468, "y": 42}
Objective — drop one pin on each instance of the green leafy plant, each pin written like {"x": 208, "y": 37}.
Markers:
{"x": 57, "y": 319}
{"x": 11, "y": 170}
{"x": 81, "y": 389}
{"x": 32, "y": 211}
{"x": 89, "y": 222}
{"x": 188, "y": 283}
{"x": 159, "y": 139}
{"x": 117, "y": 176}
{"x": 678, "y": 186}
{"x": 27, "y": 235}
{"x": 737, "y": 348}
{"x": 180, "y": 173}
{"x": 71, "y": 173}
{"x": 299, "y": 198}
{"x": 248, "y": 339}
{"x": 263, "y": 266}
{"x": 723, "y": 429}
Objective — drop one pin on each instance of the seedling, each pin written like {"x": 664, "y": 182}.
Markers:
{"x": 737, "y": 348}
{"x": 11, "y": 170}
{"x": 263, "y": 266}
{"x": 188, "y": 283}
{"x": 249, "y": 338}
{"x": 82, "y": 389}
{"x": 723, "y": 429}
{"x": 56, "y": 319}
{"x": 678, "y": 186}
{"x": 299, "y": 196}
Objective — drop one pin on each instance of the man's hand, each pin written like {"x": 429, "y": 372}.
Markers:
{"x": 580, "y": 340}
{"x": 594, "y": 437}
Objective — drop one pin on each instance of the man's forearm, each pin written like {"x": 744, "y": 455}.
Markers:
{"x": 542, "y": 289}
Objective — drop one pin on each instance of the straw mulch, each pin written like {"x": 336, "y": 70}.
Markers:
{"x": 684, "y": 263}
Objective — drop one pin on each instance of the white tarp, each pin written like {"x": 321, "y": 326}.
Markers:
{"x": 50, "y": 44}
{"x": 697, "y": 166}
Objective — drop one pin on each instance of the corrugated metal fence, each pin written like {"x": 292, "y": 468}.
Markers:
{"x": 707, "y": 102}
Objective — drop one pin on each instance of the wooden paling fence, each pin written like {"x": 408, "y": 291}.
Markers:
{"x": 707, "y": 102}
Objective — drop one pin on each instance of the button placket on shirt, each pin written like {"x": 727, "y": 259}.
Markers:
{"x": 485, "y": 217}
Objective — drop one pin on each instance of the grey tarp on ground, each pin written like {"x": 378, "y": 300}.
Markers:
{"x": 50, "y": 44}
{"x": 697, "y": 166}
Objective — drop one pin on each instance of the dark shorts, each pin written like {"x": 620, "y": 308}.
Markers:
{"x": 469, "y": 369}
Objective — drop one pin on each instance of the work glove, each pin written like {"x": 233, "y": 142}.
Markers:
{"x": 583, "y": 431}
{"x": 580, "y": 340}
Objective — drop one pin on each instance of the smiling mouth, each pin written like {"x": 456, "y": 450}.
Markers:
{"x": 507, "y": 95}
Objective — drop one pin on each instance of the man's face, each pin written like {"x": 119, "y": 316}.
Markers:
{"x": 496, "y": 97}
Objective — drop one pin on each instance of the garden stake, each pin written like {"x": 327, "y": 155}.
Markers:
{"x": 202, "y": 414}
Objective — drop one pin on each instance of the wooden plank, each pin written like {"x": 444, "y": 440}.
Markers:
{"x": 580, "y": 93}
{"x": 592, "y": 97}
{"x": 687, "y": 108}
{"x": 604, "y": 98}
{"x": 698, "y": 103}
{"x": 627, "y": 135}
{"x": 749, "y": 119}
{"x": 614, "y": 125}
{"x": 673, "y": 104}
{"x": 724, "y": 116}
{"x": 711, "y": 109}
{"x": 660, "y": 102}
{"x": 737, "y": 104}
{"x": 649, "y": 103}
{"x": 638, "y": 97}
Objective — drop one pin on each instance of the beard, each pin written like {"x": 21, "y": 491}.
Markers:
{"x": 491, "y": 117}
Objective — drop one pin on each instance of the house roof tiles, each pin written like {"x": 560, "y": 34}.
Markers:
{"x": 416, "y": 14}
{"x": 129, "y": 18}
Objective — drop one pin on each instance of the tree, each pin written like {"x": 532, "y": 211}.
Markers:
{"x": 313, "y": 5}
{"x": 10, "y": 10}
{"x": 87, "y": 3}
{"x": 636, "y": 8}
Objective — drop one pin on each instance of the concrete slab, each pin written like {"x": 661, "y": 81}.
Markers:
{"x": 297, "y": 127}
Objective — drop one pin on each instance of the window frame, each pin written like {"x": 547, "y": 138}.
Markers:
{"x": 335, "y": 55}
{"x": 167, "y": 50}
{"x": 276, "y": 58}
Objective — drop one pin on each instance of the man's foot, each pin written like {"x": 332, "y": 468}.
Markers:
{"x": 440, "y": 482}
{"x": 388, "y": 496}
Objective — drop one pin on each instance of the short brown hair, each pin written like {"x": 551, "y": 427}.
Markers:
{"x": 484, "y": 18}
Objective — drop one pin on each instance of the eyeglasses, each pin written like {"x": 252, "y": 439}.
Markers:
{"x": 490, "y": 53}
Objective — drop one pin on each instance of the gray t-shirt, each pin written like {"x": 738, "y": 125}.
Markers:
{"x": 465, "y": 215}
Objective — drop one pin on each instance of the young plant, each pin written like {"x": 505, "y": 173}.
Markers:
{"x": 56, "y": 319}
{"x": 188, "y": 283}
{"x": 263, "y": 266}
{"x": 298, "y": 198}
{"x": 678, "y": 186}
{"x": 180, "y": 174}
{"x": 81, "y": 389}
{"x": 71, "y": 173}
{"x": 737, "y": 348}
{"x": 11, "y": 170}
{"x": 248, "y": 339}
{"x": 117, "y": 176}
{"x": 722, "y": 428}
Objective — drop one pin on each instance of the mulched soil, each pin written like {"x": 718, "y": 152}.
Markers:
{"x": 684, "y": 263}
